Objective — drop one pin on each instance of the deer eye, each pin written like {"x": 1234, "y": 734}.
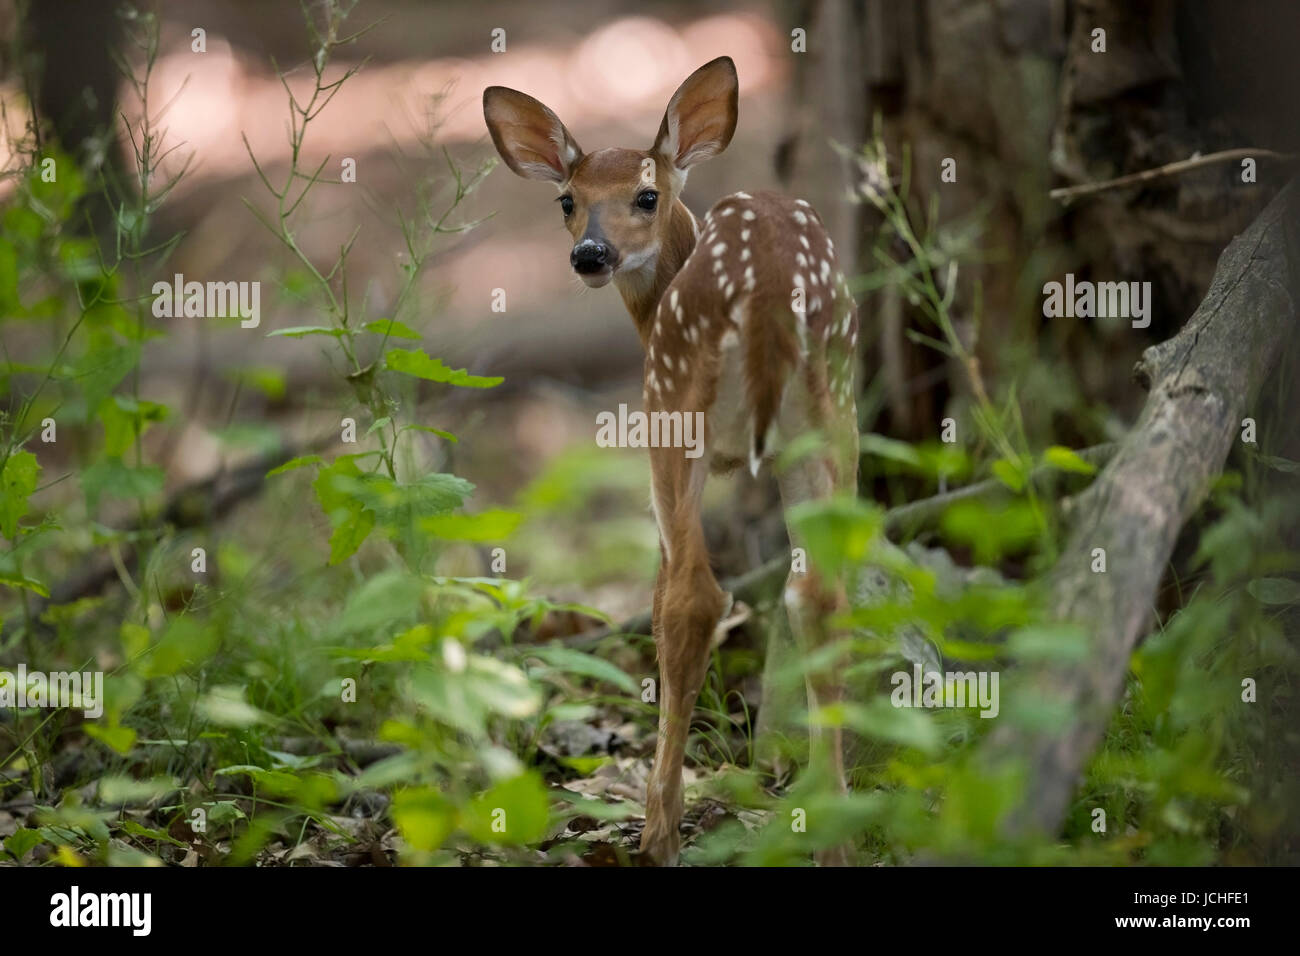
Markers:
{"x": 647, "y": 199}
{"x": 566, "y": 204}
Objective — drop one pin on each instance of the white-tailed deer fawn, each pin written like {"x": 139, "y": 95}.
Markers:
{"x": 744, "y": 317}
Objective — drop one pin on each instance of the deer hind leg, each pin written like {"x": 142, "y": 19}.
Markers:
{"x": 688, "y": 606}
{"x": 811, "y": 600}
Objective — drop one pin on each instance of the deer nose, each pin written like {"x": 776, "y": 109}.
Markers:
{"x": 590, "y": 256}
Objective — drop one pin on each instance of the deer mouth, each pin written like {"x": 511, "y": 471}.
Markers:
{"x": 597, "y": 278}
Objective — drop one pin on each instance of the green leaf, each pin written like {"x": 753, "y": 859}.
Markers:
{"x": 424, "y": 816}
{"x": 904, "y": 726}
{"x": 889, "y": 448}
{"x": 392, "y": 328}
{"x": 114, "y": 479}
{"x": 416, "y": 362}
{"x": 298, "y": 331}
{"x": 185, "y": 644}
{"x": 1011, "y": 473}
{"x": 17, "y": 482}
{"x": 116, "y": 737}
{"x": 267, "y": 379}
{"x": 103, "y": 367}
{"x": 492, "y": 525}
{"x": 135, "y": 829}
{"x": 991, "y": 530}
{"x": 274, "y": 782}
{"x": 301, "y": 461}
{"x": 1065, "y": 459}
{"x": 515, "y": 811}
{"x": 349, "y": 534}
{"x": 347, "y": 516}
{"x": 465, "y": 699}
{"x": 381, "y": 600}
{"x": 587, "y": 665}
{"x": 15, "y": 580}
{"x": 398, "y": 506}
{"x": 838, "y": 531}
{"x": 428, "y": 428}
{"x": 119, "y": 788}
{"x": 1274, "y": 590}
{"x": 120, "y": 415}
{"x": 22, "y": 841}
{"x": 226, "y": 707}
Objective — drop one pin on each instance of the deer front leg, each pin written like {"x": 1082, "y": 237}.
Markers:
{"x": 688, "y": 606}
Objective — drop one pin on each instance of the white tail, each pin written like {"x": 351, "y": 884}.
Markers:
{"x": 745, "y": 318}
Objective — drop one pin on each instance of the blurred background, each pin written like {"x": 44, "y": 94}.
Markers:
{"x": 1010, "y": 91}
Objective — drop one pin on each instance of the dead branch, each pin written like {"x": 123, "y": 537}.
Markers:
{"x": 1070, "y": 193}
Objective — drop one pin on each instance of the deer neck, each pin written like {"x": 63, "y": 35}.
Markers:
{"x": 643, "y": 288}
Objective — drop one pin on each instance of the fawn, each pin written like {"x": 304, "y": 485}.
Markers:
{"x": 744, "y": 317}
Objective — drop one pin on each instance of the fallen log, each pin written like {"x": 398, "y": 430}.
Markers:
{"x": 1201, "y": 382}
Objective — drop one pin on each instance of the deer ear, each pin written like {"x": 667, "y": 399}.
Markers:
{"x": 529, "y": 137}
{"x": 701, "y": 116}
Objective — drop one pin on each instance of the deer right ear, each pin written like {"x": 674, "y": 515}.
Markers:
{"x": 529, "y": 137}
{"x": 701, "y": 116}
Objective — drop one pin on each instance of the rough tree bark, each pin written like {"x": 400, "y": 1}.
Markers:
{"x": 1202, "y": 382}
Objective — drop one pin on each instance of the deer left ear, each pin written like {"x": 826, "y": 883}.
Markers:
{"x": 529, "y": 136}
{"x": 701, "y": 116}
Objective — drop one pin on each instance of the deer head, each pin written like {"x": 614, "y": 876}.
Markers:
{"x": 622, "y": 206}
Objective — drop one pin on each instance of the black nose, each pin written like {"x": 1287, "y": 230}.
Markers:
{"x": 589, "y": 256}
